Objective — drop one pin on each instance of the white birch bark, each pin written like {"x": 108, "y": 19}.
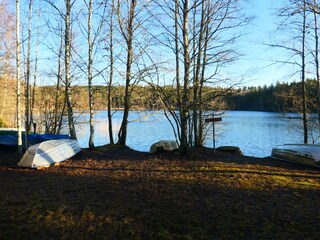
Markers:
{"x": 90, "y": 88}
{"x": 18, "y": 76}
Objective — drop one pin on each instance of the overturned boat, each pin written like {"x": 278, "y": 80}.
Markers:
{"x": 306, "y": 154}
{"x": 164, "y": 146}
{"x": 49, "y": 152}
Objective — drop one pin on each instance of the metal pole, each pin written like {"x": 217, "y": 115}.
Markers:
{"x": 213, "y": 134}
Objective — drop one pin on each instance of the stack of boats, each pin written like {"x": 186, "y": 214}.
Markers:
{"x": 306, "y": 154}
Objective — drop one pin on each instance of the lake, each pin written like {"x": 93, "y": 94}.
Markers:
{"x": 256, "y": 133}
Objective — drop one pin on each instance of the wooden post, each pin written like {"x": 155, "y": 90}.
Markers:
{"x": 213, "y": 120}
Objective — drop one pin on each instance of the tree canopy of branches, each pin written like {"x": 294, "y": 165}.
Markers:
{"x": 200, "y": 35}
{"x": 298, "y": 36}
{"x": 186, "y": 43}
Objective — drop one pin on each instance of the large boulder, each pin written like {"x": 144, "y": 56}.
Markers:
{"x": 164, "y": 146}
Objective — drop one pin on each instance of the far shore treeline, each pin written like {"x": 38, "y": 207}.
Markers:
{"x": 50, "y": 104}
{"x": 281, "y": 97}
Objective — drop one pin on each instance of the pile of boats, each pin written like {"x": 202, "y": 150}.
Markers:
{"x": 43, "y": 149}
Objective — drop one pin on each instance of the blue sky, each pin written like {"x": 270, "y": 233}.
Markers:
{"x": 258, "y": 61}
{"x": 256, "y": 66}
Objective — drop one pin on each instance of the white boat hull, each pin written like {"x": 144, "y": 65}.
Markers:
{"x": 306, "y": 154}
{"x": 164, "y": 145}
{"x": 49, "y": 152}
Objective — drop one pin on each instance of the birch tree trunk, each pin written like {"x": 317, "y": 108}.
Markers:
{"x": 177, "y": 40}
{"x": 303, "y": 66}
{"x": 57, "y": 119}
{"x": 18, "y": 76}
{"x": 202, "y": 79}
{"x": 111, "y": 75}
{"x": 196, "y": 82}
{"x": 186, "y": 81}
{"x": 129, "y": 38}
{"x": 90, "y": 88}
{"x": 35, "y": 76}
{"x": 67, "y": 70}
{"x": 27, "y": 78}
{"x": 316, "y": 37}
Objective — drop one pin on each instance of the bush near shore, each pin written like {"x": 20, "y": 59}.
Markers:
{"x": 123, "y": 194}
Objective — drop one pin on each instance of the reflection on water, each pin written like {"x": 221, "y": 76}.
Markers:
{"x": 256, "y": 133}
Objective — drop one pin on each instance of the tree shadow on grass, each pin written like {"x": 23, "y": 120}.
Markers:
{"x": 70, "y": 203}
{"x": 215, "y": 171}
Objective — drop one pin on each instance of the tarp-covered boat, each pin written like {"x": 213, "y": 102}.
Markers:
{"x": 306, "y": 154}
{"x": 10, "y": 141}
{"x": 49, "y": 152}
{"x": 9, "y": 131}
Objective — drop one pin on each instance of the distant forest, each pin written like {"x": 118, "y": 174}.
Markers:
{"x": 282, "y": 97}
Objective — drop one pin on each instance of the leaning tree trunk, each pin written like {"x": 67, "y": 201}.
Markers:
{"x": 129, "y": 41}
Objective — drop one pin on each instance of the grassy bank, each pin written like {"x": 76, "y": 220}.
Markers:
{"x": 123, "y": 194}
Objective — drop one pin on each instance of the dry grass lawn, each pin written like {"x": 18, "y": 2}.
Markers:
{"x": 124, "y": 194}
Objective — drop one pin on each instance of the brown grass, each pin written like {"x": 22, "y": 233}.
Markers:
{"x": 124, "y": 194}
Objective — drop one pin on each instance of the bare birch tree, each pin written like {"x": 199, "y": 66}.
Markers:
{"x": 295, "y": 19}
{"x": 111, "y": 59}
{"x": 18, "y": 76}
{"x": 90, "y": 87}
{"x": 33, "y": 94}
{"x": 204, "y": 33}
{"x": 67, "y": 49}
{"x": 314, "y": 9}
{"x": 27, "y": 76}
{"x": 303, "y": 73}
{"x": 127, "y": 30}
{"x": 66, "y": 16}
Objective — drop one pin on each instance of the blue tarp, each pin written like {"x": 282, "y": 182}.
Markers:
{"x": 11, "y": 141}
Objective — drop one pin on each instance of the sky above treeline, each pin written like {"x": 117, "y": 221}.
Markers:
{"x": 259, "y": 61}
{"x": 257, "y": 65}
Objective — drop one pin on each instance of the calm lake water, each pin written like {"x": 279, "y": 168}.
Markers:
{"x": 256, "y": 133}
